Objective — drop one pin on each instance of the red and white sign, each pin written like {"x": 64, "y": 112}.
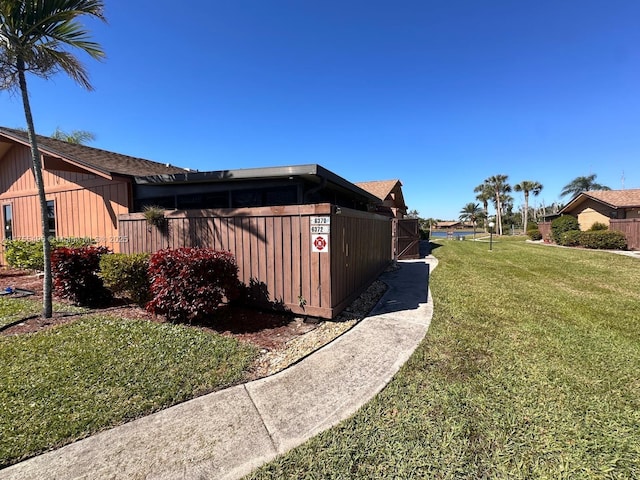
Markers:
{"x": 319, "y": 243}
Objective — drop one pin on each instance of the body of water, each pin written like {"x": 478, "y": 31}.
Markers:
{"x": 456, "y": 233}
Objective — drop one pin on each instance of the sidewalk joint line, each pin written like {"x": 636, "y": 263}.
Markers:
{"x": 266, "y": 428}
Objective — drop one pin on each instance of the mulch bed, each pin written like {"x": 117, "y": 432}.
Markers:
{"x": 267, "y": 330}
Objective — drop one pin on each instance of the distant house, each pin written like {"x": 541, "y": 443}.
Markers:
{"x": 602, "y": 206}
{"x": 449, "y": 225}
{"x": 406, "y": 231}
{"x": 390, "y": 194}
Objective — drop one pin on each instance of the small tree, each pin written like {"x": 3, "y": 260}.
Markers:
{"x": 33, "y": 35}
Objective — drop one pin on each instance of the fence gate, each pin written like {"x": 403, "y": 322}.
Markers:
{"x": 406, "y": 238}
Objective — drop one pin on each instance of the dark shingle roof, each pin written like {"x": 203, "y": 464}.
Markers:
{"x": 94, "y": 158}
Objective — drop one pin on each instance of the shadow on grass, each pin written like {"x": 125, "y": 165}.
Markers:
{"x": 426, "y": 247}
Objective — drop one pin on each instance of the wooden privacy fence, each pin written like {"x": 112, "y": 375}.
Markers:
{"x": 545, "y": 230}
{"x": 631, "y": 229}
{"x": 406, "y": 238}
{"x": 311, "y": 259}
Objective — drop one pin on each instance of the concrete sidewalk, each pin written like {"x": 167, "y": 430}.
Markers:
{"x": 227, "y": 434}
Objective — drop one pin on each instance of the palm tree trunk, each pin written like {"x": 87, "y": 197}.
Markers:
{"x": 526, "y": 210}
{"x": 498, "y": 213}
{"x": 485, "y": 204}
{"x": 47, "y": 284}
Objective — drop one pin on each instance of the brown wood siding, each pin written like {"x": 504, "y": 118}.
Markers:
{"x": 86, "y": 205}
{"x": 272, "y": 246}
{"x": 631, "y": 229}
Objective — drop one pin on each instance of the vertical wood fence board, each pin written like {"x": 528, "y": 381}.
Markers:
{"x": 287, "y": 254}
{"x": 305, "y": 259}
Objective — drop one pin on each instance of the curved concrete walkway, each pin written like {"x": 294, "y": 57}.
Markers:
{"x": 227, "y": 434}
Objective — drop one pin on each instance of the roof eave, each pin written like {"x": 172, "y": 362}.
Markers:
{"x": 308, "y": 171}
{"x": 54, "y": 154}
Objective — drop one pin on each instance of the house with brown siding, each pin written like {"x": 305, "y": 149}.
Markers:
{"x": 86, "y": 188}
{"x": 309, "y": 239}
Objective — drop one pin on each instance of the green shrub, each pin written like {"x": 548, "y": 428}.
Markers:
{"x": 28, "y": 254}
{"x": 572, "y": 238}
{"x": 531, "y": 225}
{"x": 603, "y": 239}
{"x": 127, "y": 274}
{"x": 598, "y": 226}
{"x": 534, "y": 233}
{"x": 562, "y": 224}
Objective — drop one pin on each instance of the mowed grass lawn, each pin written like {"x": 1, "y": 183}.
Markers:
{"x": 530, "y": 369}
{"x": 14, "y": 309}
{"x": 73, "y": 380}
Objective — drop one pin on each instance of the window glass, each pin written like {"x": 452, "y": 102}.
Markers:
{"x": 51, "y": 215}
{"x": 7, "y": 216}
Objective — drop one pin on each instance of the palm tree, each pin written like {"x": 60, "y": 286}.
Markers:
{"x": 582, "y": 184}
{"x": 78, "y": 137}
{"x": 527, "y": 187}
{"x": 485, "y": 194}
{"x": 431, "y": 222}
{"x": 471, "y": 211}
{"x": 33, "y": 38}
{"x": 497, "y": 186}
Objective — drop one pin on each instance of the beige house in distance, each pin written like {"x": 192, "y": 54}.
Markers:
{"x": 602, "y": 205}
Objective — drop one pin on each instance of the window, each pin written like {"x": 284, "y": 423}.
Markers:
{"x": 7, "y": 217}
{"x": 51, "y": 216}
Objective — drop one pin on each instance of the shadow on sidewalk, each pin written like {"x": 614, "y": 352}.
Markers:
{"x": 408, "y": 287}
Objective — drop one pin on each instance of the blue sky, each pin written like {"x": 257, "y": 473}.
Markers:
{"x": 440, "y": 94}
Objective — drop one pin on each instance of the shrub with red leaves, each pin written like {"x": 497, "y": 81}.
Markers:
{"x": 189, "y": 283}
{"x": 75, "y": 275}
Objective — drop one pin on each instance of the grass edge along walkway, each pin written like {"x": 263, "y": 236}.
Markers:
{"x": 65, "y": 383}
{"x": 529, "y": 370}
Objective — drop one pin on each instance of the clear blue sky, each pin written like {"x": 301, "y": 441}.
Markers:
{"x": 440, "y": 94}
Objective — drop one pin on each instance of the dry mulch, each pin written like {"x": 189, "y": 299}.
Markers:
{"x": 282, "y": 338}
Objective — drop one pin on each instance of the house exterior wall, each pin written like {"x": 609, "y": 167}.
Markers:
{"x": 86, "y": 205}
{"x": 632, "y": 213}
{"x": 589, "y": 216}
{"x": 273, "y": 248}
{"x": 591, "y": 211}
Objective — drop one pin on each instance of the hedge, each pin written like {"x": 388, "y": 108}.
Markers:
{"x": 127, "y": 274}
{"x": 29, "y": 255}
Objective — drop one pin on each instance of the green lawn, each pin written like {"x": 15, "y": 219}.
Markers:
{"x": 531, "y": 369}
{"x": 14, "y": 309}
{"x": 67, "y": 382}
